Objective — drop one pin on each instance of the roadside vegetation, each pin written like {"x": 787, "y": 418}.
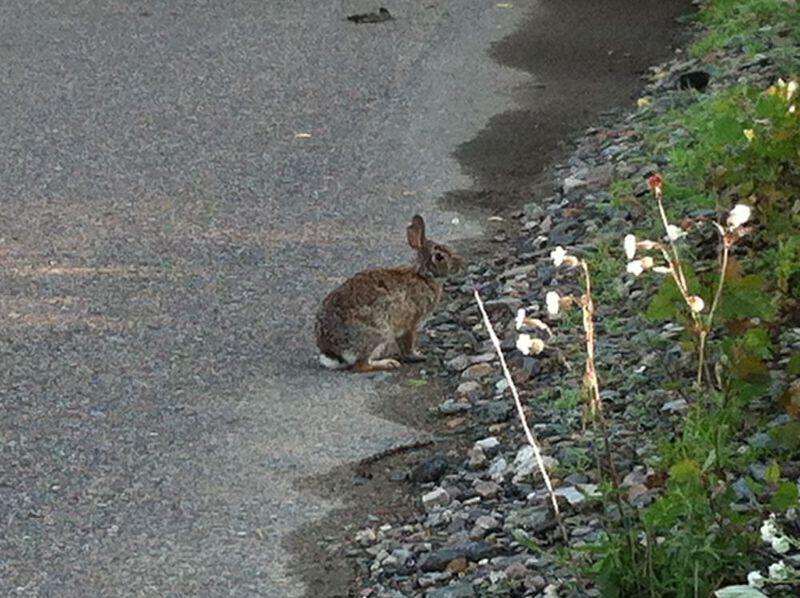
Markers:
{"x": 719, "y": 258}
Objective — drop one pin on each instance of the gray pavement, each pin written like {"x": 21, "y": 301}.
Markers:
{"x": 181, "y": 183}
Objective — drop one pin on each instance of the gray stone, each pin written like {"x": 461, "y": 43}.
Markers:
{"x": 430, "y": 470}
{"x": 459, "y": 363}
{"x": 449, "y": 407}
{"x": 435, "y": 498}
{"x": 477, "y": 458}
{"x": 459, "y": 590}
{"x": 487, "y": 489}
{"x": 472, "y": 551}
{"x": 477, "y": 371}
{"x": 572, "y": 183}
{"x": 488, "y": 444}
{"x": 525, "y": 463}
{"x": 471, "y": 390}
{"x": 493, "y": 412}
{"x": 527, "y": 518}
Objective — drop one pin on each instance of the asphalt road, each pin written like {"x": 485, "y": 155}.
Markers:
{"x": 181, "y": 183}
{"x": 167, "y": 232}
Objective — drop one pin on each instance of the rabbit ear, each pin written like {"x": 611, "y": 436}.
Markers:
{"x": 416, "y": 232}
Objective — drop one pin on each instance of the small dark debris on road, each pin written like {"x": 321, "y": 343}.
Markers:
{"x": 381, "y": 16}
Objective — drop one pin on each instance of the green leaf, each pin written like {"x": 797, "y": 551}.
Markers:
{"x": 785, "y": 497}
{"x": 739, "y": 592}
{"x": 745, "y": 298}
{"x": 666, "y": 304}
{"x": 794, "y": 364}
{"x": 773, "y": 473}
{"x": 726, "y": 130}
{"x": 787, "y": 436}
{"x": 684, "y": 471}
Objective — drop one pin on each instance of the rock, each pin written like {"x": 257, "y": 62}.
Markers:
{"x": 487, "y": 489}
{"x": 525, "y": 464}
{"x": 457, "y": 566}
{"x": 477, "y": 458}
{"x": 477, "y": 371}
{"x": 524, "y": 270}
{"x": 572, "y": 494}
{"x": 458, "y": 364}
{"x": 487, "y": 522}
{"x": 366, "y": 537}
{"x": 535, "y": 583}
{"x": 484, "y": 357}
{"x": 472, "y": 391}
{"x": 498, "y": 469}
{"x": 435, "y": 498}
{"x": 459, "y": 590}
{"x": 527, "y": 518}
{"x": 512, "y": 304}
{"x": 572, "y": 183}
{"x": 490, "y": 444}
{"x": 449, "y": 407}
{"x": 676, "y": 406}
{"x": 565, "y": 233}
{"x": 472, "y": 551}
{"x": 493, "y": 412}
{"x": 743, "y": 491}
{"x": 516, "y": 571}
{"x": 430, "y": 470}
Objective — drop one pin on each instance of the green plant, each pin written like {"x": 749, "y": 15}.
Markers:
{"x": 756, "y": 25}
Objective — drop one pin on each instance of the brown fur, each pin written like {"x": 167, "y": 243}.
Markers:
{"x": 376, "y": 311}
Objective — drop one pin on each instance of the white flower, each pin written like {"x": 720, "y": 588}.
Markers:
{"x": 755, "y": 579}
{"x": 630, "y": 246}
{"x": 778, "y": 571}
{"x": 647, "y": 262}
{"x": 769, "y": 530}
{"x": 520, "y": 318}
{"x": 553, "y": 302}
{"x": 696, "y": 304}
{"x": 557, "y": 255}
{"x": 791, "y": 89}
{"x": 674, "y": 232}
{"x": 780, "y": 544}
{"x": 738, "y": 215}
{"x": 635, "y": 267}
{"x": 527, "y": 344}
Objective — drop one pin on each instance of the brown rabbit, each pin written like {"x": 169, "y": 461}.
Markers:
{"x": 363, "y": 319}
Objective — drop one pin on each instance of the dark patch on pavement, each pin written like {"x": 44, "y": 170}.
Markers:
{"x": 585, "y": 58}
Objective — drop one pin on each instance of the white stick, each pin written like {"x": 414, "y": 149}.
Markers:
{"x": 521, "y": 413}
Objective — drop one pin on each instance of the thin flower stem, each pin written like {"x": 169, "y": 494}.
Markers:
{"x": 676, "y": 255}
{"x": 705, "y": 330}
{"x": 522, "y": 418}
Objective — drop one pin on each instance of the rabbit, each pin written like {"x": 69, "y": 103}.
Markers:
{"x": 375, "y": 311}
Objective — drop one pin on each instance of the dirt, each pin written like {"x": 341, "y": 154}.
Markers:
{"x": 585, "y": 59}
